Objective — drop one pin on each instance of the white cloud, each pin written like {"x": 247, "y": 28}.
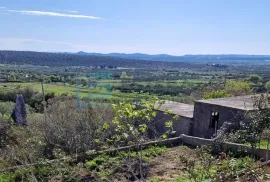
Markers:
{"x": 47, "y": 13}
{"x": 69, "y": 11}
{"x": 2, "y": 7}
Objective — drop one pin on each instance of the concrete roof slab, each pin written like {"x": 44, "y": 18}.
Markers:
{"x": 179, "y": 109}
{"x": 239, "y": 102}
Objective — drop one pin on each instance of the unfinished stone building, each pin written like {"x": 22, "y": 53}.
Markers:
{"x": 205, "y": 117}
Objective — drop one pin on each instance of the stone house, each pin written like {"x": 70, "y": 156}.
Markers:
{"x": 205, "y": 117}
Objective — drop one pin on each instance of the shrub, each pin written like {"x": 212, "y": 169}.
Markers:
{"x": 73, "y": 129}
{"x": 11, "y": 95}
{"x": 6, "y": 108}
{"x": 237, "y": 87}
{"x": 91, "y": 165}
{"x": 4, "y": 138}
{"x": 267, "y": 85}
{"x": 24, "y": 146}
{"x": 254, "y": 78}
{"x": 216, "y": 94}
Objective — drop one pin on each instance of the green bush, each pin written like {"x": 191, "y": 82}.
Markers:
{"x": 216, "y": 94}
{"x": 254, "y": 78}
{"x": 6, "y": 109}
{"x": 238, "y": 87}
{"x": 91, "y": 165}
{"x": 10, "y": 95}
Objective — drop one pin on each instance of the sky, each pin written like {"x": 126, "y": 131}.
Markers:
{"x": 174, "y": 27}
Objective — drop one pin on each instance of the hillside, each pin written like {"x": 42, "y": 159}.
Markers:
{"x": 65, "y": 59}
{"x": 185, "y": 58}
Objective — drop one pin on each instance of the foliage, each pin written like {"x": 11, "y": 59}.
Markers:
{"x": 124, "y": 75}
{"x": 223, "y": 168}
{"x": 4, "y": 133}
{"x": 132, "y": 125}
{"x": 59, "y": 170}
{"x": 216, "y": 94}
{"x": 201, "y": 168}
{"x": 70, "y": 128}
{"x": 254, "y": 78}
{"x": 257, "y": 120}
{"x": 11, "y": 95}
{"x": 37, "y": 100}
{"x": 23, "y": 146}
{"x": 112, "y": 166}
{"x": 237, "y": 87}
{"x": 267, "y": 85}
{"x": 243, "y": 169}
{"x": 6, "y": 109}
{"x": 64, "y": 60}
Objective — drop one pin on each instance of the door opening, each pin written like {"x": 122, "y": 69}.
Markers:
{"x": 214, "y": 121}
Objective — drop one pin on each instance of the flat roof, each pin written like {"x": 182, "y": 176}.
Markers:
{"x": 239, "y": 102}
{"x": 179, "y": 109}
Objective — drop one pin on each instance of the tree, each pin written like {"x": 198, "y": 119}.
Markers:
{"x": 19, "y": 112}
{"x": 84, "y": 81}
{"x": 13, "y": 77}
{"x": 124, "y": 75}
{"x": 256, "y": 120}
{"x": 237, "y": 87}
{"x": 254, "y": 78}
{"x": 131, "y": 125}
{"x": 267, "y": 85}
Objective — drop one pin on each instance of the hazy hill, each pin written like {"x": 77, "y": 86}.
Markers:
{"x": 185, "y": 58}
{"x": 79, "y": 59}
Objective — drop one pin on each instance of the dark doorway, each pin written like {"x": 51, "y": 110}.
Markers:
{"x": 214, "y": 121}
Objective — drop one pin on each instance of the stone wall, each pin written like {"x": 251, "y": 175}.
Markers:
{"x": 202, "y": 118}
{"x": 233, "y": 147}
{"x": 181, "y": 126}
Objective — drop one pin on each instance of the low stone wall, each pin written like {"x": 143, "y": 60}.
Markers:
{"x": 182, "y": 139}
{"x": 234, "y": 147}
{"x": 196, "y": 141}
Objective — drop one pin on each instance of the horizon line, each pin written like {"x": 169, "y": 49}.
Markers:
{"x": 158, "y": 54}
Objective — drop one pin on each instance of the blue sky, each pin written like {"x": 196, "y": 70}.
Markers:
{"x": 148, "y": 26}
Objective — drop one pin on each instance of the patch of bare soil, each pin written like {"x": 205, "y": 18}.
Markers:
{"x": 168, "y": 166}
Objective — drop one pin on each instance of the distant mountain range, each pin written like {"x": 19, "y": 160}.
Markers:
{"x": 171, "y": 58}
